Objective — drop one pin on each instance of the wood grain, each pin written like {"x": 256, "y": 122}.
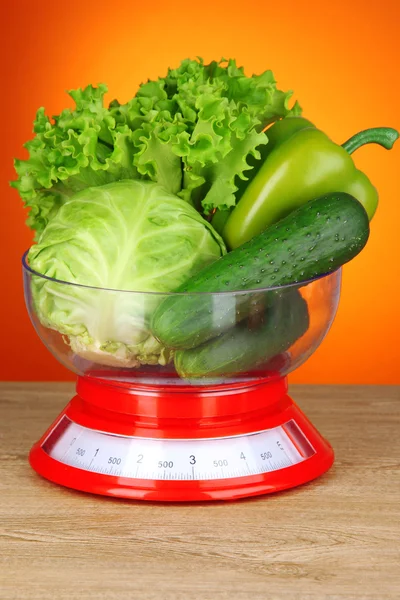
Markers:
{"x": 336, "y": 538}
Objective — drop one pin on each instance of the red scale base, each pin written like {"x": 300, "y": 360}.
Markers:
{"x": 146, "y": 412}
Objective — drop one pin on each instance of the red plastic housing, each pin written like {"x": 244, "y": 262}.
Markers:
{"x": 183, "y": 413}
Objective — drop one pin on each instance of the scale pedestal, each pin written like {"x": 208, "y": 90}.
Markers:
{"x": 224, "y": 443}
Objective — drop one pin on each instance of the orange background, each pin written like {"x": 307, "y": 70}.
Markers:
{"x": 340, "y": 58}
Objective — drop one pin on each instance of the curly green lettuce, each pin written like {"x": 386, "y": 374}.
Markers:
{"x": 191, "y": 132}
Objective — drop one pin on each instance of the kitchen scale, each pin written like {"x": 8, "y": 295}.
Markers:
{"x": 226, "y": 443}
{"x": 145, "y": 434}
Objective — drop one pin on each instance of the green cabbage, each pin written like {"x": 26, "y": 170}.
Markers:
{"x": 130, "y": 235}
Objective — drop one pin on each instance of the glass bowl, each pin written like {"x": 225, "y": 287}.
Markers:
{"x": 201, "y": 339}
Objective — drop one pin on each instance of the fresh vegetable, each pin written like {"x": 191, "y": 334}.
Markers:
{"x": 303, "y": 164}
{"x": 245, "y": 347}
{"x": 191, "y": 131}
{"x": 316, "y": 239}
{"x": 121, "y": 198}
{"x": 129, "y": 235}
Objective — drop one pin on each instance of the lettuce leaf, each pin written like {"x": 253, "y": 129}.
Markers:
{"x": 83, "y": 147}
{"x": 219, "y": 115}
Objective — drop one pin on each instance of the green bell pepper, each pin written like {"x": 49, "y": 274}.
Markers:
{"x": 301, "y": 163}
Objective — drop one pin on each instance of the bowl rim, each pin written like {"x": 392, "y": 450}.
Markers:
{"x": 27, "y": 268}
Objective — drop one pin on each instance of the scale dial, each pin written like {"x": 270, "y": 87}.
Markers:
{"x": 177, "y": 459}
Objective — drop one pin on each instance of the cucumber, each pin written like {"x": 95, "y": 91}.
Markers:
{"x": 313, "y": 240}
{"x": 245, "y": 347}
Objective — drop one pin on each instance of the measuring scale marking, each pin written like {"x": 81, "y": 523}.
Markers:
{"x": 177, "y": 459}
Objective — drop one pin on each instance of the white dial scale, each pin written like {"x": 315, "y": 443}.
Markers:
{"x": 177, "y": 459}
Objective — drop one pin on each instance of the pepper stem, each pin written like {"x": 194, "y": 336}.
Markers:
{"x": 384, "y": 136}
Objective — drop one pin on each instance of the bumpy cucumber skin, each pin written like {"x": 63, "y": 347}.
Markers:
{"x": 313, "y": 240}
{"x": 242, "y": 348}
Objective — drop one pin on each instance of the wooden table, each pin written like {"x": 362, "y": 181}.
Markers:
{"x": 335, "y": 538}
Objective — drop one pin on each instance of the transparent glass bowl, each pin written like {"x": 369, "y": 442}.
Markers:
{"x": 181, "y": 339}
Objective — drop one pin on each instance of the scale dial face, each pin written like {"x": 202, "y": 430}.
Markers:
{"x": 177, "y": 459}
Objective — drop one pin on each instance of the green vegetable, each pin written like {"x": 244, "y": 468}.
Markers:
{"x": 304, "y": 164}
{"x": 191, "y": 132}
{"x": 129, "y": 235}
{"x": 316, "y": 239}
{"x": 84, "y": 147}
{"x": 247, "y": 346}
